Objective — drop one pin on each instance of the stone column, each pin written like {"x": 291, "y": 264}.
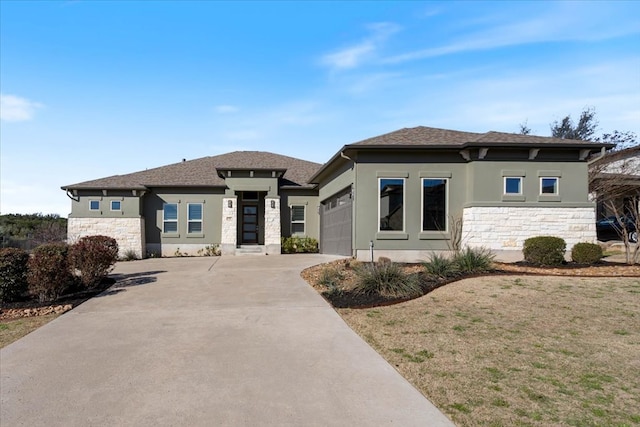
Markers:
{"x": 272, "y": 225}
{"x": 229, "y": 239}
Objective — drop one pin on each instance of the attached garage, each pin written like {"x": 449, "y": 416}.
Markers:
{"x": 336, "y": 224}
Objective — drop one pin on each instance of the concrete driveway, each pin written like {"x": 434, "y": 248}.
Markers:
{"x": 237, "y": 341}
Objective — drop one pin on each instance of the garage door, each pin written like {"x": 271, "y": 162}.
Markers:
{"x": 335, "y": 225}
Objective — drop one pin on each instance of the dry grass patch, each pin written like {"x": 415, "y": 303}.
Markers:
{"x": 13, "y": 330}
{"x": 512, "y": 350}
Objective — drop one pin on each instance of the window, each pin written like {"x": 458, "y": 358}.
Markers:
{"x": 297, "y": 220}
{"x": 549, "y": 186}
{"x": 194, "y": 218}
{"x": 170, "y": 218}
{"x": 391, "y": 211}
{"x": 512, "y": 185}
{"x": 94, "y": 205}
{"x": 115, "y": 205}
{"x": 434, "y": 204}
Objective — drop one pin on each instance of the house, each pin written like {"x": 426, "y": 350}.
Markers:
{"x": 614, "y": 182}
{"x": 404, "y": 194}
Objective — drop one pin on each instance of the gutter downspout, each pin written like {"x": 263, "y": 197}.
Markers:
{"x": 603, "y": 152}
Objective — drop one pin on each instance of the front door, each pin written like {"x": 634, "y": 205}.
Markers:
{"x": 250, "y": 223}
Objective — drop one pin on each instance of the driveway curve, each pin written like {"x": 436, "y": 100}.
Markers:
{"x": 231, "y": 341}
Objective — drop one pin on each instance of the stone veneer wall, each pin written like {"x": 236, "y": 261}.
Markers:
{"x": 229, "y": 239}
{"x": 506, "y": 228}
{"x": 128, "y": 232}
{"x": 272, "y": 225}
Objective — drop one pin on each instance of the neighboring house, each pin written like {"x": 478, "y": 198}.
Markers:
{"x": 402, "y": 192}
{"x": 615, "y": 182}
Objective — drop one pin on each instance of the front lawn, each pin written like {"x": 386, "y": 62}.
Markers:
{"x": 517, "y": 350}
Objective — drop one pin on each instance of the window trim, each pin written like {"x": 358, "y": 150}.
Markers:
{"x": 303, "y": 222}
{"x": 504, "y": 186}
{"x": 164, "y": 220}
{"x": 557, "y": 186}
{"x": 94, "y": 200}
{"x": 404, "y": 197}
{"x": 446, "y": 205}
{"x": 201, "y": 220}
{"x": 119, "y": 206}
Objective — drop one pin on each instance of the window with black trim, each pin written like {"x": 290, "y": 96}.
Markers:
{"x": 298, "y": 219}
{"x": 434, "y": 204}
{"x": 170, "y": 218}
{"x": 391, "y": 204}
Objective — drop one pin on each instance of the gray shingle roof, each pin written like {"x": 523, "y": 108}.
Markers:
{"x": 426, "y": 136}
{"x": 203, "y": 172}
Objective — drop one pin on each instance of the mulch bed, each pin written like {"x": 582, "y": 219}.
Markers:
{"x": 31, "y": 307}
{"x": 347, "y": 298}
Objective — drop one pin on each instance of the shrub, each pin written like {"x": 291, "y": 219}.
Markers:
{"x": 93, "y": 256}
{"x": 130, "y": 255}
{"x": 387, "y": 280}
{"x": 544, "y": 250}
{"x": 13, "y": 273}
{"x": 297, "y": 244}
{"x": 210, "y": 250}
{"x": 441, "y": 267}
{"x": 586, "y": 253}
{"x": 473, "y": 260}
{"x": 331, "y": 278}
{"x": 48, "y": 272}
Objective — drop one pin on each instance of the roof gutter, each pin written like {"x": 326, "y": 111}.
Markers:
{"x": 603, "y": 152}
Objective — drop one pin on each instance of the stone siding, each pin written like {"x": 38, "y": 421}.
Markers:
{"x": 506, "y": 228}
{"x": 128, "y": 232}
{"x": 272, "y": 225}
{"x": 229, "y": 237}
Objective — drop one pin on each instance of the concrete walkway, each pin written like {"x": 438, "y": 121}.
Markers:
{"x": 231, "y": 341}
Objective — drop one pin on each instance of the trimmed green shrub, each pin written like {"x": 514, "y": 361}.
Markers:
{"x": 473, "y": 260}
{"x": 297, "y": 244}
{"x": 441, "y": 267}
{"x": 586, "y": 253}
{"x": 48, "y": 272}
{"x": 94, "y": 257}
{"x": 387, "y": 280}
{"x": 13, "y": 273}
{"x": 544, "y": 250}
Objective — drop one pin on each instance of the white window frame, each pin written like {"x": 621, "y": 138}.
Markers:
{"x": 303, "y": 222}
{"x": 446, "y": 205}
{"x": 404, "y": 198}
{"x": 557, "y": 186}
{"x": 164, "y": 220}
{"x": 92, "y": 209}
{"x": 201, "y": 220}
{"x": 504, "y": 186}
{"x": 119, "y": 205}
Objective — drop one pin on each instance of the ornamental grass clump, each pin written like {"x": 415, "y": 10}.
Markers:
{"x": 387, "y": 280}
{"x": 473, "y": 260}
{"x": 441, "y": 267}
{"x": 544, "y": 250}
{"x": 586, "y": 253}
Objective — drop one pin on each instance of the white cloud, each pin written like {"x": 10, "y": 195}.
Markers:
{"x": 353, "y": 56}
{"x": 16, "y": 109}
{"x": 226, "y": 109}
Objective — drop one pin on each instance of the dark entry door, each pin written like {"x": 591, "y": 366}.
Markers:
{"x": 250, "y": 223}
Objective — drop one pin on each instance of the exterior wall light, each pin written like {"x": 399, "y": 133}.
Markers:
{"x": 229, "y": 204}
{"x": 273, "y": 204}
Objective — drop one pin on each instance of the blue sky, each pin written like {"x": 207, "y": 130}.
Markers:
{"x": 96, "y": 88}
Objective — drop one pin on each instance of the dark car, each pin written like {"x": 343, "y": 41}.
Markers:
{"x": 610, "y": 228}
